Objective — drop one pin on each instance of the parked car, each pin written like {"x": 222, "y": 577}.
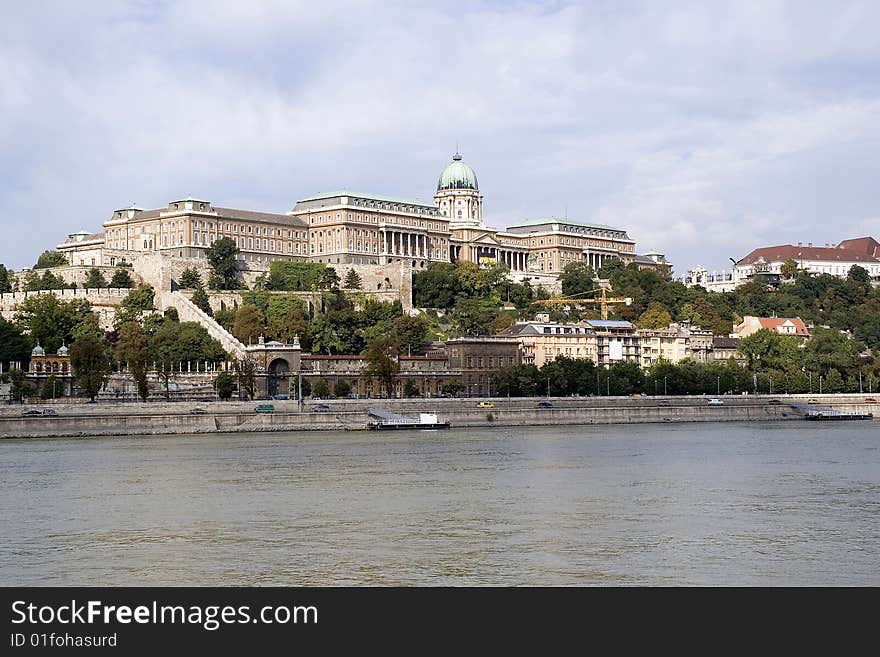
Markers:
{"x": 663, "y": 402}
{"x": 281, "y": 397}
{"x": 812, "y": 401}
{"x": 545, "y": 404}
{"x": 774, "y": 401}
{"x": 265, "y": 408}
{"x": 30, "y": 413}
{"x": 485, "y": 405}
{"x": 320, "y": 408}
{"x": 715, "y": 402}
{"x": 50, "y": 411}
{"x": 870, "y": 400}
{"x": 197, "y": 411}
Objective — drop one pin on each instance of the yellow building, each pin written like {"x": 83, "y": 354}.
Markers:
{"x": 350, "y": 228}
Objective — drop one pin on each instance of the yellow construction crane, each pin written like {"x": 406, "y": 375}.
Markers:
{"x": 603, "y": 301}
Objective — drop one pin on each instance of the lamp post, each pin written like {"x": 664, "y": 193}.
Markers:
{"x": 664, "y": 386}
{"x": 860, "y": 381}
{"x": 771, "y": 383}
{"x": 718, "y": 381}
{"x": 811, "y": 382}
{"x": 820, "y": 384}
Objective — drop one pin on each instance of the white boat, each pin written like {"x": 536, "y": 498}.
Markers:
{"x": 382, "y": 420}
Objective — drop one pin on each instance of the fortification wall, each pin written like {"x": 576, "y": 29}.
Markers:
{"x": 104, "y": 301}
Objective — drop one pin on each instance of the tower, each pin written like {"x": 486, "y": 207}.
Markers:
{"x": 458, "y": 195}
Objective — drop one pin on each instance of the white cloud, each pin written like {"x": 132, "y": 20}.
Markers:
{"x": 701, "y": 128}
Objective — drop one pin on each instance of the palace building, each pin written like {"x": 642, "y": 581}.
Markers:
{"x": 351, "y": 228}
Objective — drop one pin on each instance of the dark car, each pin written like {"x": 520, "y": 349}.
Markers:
{"x": 663, "y": 402}
{"x": 320, "y": 408}
{"x": 870, "y": 400}
{"x": 30, "y": 413}
{"x": 774, "y": 401}
{"x": 197, "y": 411}
{"x": 545, "y": 404}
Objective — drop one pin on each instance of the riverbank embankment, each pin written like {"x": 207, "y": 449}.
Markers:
{"x": 106, "y": 419}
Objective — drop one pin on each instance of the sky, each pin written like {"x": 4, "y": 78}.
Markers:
{"x": 704, "y": 129}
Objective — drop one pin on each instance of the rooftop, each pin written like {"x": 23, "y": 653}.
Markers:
{"x": 564, "y": 222}
{"x": 371, "y": 197}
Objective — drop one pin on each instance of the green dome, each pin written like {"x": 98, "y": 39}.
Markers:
{"x": 38, "y": 351}
{"x": 457, "y": 175}
{"x": 63, "y": 350}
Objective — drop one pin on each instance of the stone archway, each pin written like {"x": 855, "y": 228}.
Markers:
{"x": 278, "y": 377}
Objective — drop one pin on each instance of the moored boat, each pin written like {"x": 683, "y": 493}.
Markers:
{"x": 382, "y": 420}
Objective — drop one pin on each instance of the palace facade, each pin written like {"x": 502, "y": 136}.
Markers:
{"x": 350, "y": 228}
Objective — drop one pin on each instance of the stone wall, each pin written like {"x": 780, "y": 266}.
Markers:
{"x": 104, "y": 301}
{"x": 71, "y": 274}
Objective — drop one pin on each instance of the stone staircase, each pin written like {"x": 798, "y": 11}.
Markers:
{"x": 190, "y": 312}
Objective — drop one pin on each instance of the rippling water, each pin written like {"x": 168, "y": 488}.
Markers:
{"x": 790, "y": 503}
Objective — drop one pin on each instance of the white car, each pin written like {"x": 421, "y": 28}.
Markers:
{"x": 716, "y": 402}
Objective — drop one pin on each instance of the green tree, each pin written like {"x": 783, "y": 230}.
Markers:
{"x": 352, "y": 280}
{"x": 225, "y": 317}
{"x": 132, "y": 349}
{"x": 121, "y": 279}
{"x": 95, "y": 279}
{"x": 138, "y": 301}
{"x": 436, "y": 286}
{"x": 48, "y": 281}
{"x": 577, "y": 278}
{"x": 858, "y": 274}
{"x": 248, "y": 325}
{"x": 14, "y": 345}
{"x": 475, "y": 316}
{"x": 245, "y": 374}
{"x": 409, "y": 334}
{"x": 51, "y": 322}
{"x": 655, "y": 317}
{"x": 190, "y": 279}
{"x": 410, "y": 389}
{"x": 173, "y": 344}
{"x": 19, "y": 388}
{"x": 222, "y": 256}
{"x": 49, "y": 259}
{"x": 5, "y": 280}
{"x": 52, "y": 388}
{"x": 90, "y": 360}
{"x": 833, "y": 382}
{"x": 201, "y": 301}
{"x": 295, "y": 276}
{"x": 382, "y": 363}
{"x": 321, "y": 390}
{"x": 341, "y": 389}
{"x": 224, "y": 384}
{"x": 789, "y": 268}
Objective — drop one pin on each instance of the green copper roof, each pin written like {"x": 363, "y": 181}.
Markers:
{"x": 457, "y": 175}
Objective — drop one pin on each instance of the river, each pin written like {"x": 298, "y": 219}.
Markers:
{"x": 784, "y": 503}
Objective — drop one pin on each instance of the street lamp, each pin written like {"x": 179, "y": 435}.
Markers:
{"x": 548, "y": 387}
{"x": 718, "y": 381}
{"x": 664, "y": 385}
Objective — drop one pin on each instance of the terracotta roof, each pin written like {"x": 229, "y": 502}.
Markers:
{"x": 867, "y": 245}
{"x": 824, "y": 253}
{"x": 773, "y": 323}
